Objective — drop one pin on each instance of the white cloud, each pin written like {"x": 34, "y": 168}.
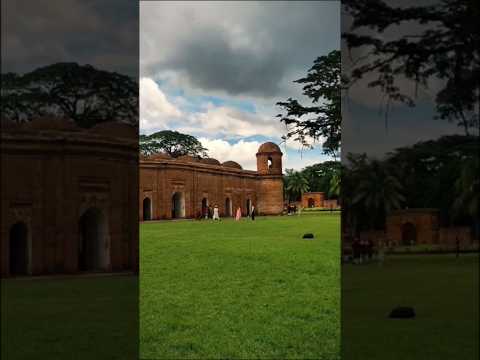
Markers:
{"x": 242, "y": 152}
{"x": 156, "y": 111}
{"x": 224, "y": 121}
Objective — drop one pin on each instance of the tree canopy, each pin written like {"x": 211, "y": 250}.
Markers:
{"x": 438, "y": 174}
{"x": 322, "y": 120}
{"x": 82, "y": 93}
{"x": 445, "y": 46}
{"x": 173, "y": 143}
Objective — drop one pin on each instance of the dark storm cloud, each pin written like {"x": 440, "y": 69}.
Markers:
{"x": 245, "y": 48}
{"x": 210, "y": 63}
{"x": 101, "y": 33}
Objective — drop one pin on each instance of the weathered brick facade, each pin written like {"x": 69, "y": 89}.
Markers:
{"x": 313, "y": 199}
{"x": 183, "y": 187}
{"x": 69, "y": 198}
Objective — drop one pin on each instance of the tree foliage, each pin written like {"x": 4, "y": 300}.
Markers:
{"x": 441, "y": 174}
{"x": 82, "y": 93}
{"x": 322, "y": 120}
{"x": 320, "y": 176}
{"x": 295, "y": 184}
{"x": 446, "y": 48}
{"x": 173, "y": 143}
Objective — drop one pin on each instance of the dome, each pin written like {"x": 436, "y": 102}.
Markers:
{"x": 232, "y": 164}
{"x": 269, "y": 147}
{"x": 159, "y": 156}
{"x": 210, "y": 161}
{"x": 115, "y": 129}
{"x": 187, "y": 158}
{"x": 51, "y": 123}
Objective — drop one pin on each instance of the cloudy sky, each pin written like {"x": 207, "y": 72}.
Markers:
{"x": 366, "y": 126}
{"x": 216, "y": 69}
{"x": 42, "y": 32}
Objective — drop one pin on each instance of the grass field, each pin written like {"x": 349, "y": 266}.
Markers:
{"x": 73, "y": 318}
{"x": 241, "y": 289}
{"x": 444, "y": 292}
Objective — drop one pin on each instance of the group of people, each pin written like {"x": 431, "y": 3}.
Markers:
{"x": 291, "y": 209}
{"x": 214, "y": 214}
{"x": 363, "y": 251}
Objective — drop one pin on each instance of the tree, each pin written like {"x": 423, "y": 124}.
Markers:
{"x": 334, "y": 185}
{"x": 446, "y": 48}
{"x": 467, "y": 189}
{"x": 295, "y": 184}
{"x": 82, "y": 93}
{"x": 319, "y": 175}
{"x": 323, "y": 119}
{"x": 377, "y": 189}
{"x": 173, "y": 143}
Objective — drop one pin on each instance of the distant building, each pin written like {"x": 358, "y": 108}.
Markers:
{"x": 416, "y": 226}
{"x": 317, "y": 200}
{"x": 185, "y": 187}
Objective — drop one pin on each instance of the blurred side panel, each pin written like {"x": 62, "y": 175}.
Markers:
{"x": 69, "y": 179}
{"x": 410, "y": 185}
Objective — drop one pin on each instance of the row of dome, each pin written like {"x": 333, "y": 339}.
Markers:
{"x": 107, "y": 128}
{"x": 187, "y": 158}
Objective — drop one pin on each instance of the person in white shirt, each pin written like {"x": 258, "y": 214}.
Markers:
{"x": 216, "y": 216}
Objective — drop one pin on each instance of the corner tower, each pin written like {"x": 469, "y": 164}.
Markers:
{"x": 270, "y": 179}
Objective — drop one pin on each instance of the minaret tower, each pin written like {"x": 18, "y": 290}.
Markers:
{"x": 270, "y": 179}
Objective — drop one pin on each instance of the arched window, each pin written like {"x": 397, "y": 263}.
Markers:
{"x": 93, "y": 251}
{"x": 270, "y": 162}
{"x": 409, "y": 234}
{"x": 178, "y": 205}
{"x": 19, "y": 257}
{"x": 147, "y": 209}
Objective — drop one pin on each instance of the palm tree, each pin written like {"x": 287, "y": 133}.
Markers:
{"x": 296, "y": 185}
{"x": 378, "y": 190}
{"x": 467, "y": 188}
{"x": 334, "y": 185}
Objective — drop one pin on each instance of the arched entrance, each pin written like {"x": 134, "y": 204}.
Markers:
{"x": 228, "y": 207}
{"x": 204, "y": 207}
{"x": 249, "y": 207}
{"x": 178, "y": 205}
{"x": 19, "y": 249}
{"x": 311, "y": 203}
{"x": 409, "y": 234}
{"x": 147, "y": 209}
{"x": 93, "y": 251}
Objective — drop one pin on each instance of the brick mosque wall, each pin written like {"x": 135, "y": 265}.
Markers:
{"x": 52, "y": 175}
{"x": 180, "y": 188}
{"x": 313, "y": 199}
{"x": 420, "y": 226}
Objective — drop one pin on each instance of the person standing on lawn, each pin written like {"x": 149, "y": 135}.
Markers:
{"x": 252, "y": 213}
{"x": 216, "y": 216}
{"x": 238, "y": 216}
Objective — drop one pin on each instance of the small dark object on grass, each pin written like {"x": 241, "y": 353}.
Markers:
{"x": 402, "y": 312}
{"x": 308, "y": 236}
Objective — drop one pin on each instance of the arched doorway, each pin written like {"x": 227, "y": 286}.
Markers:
{"x": 249, "y": 207}
{"x": 19, "y": 249}
{"x": 204, "y": 207}
{"x": 178, "y": 205}
{"x": 311, "y": 203}
{"x": 93, "y": 251}
{"x": 270, "y": 162}
{"x": 228, "y": 207}
{"x": 147, "y": 209}
{"x": 409, "y": 234}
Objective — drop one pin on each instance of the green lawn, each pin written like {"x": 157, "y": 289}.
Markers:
{"x": 444, "y": 292}
{"x": 74, "y": 318}
{"x": 241, "y": 289}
